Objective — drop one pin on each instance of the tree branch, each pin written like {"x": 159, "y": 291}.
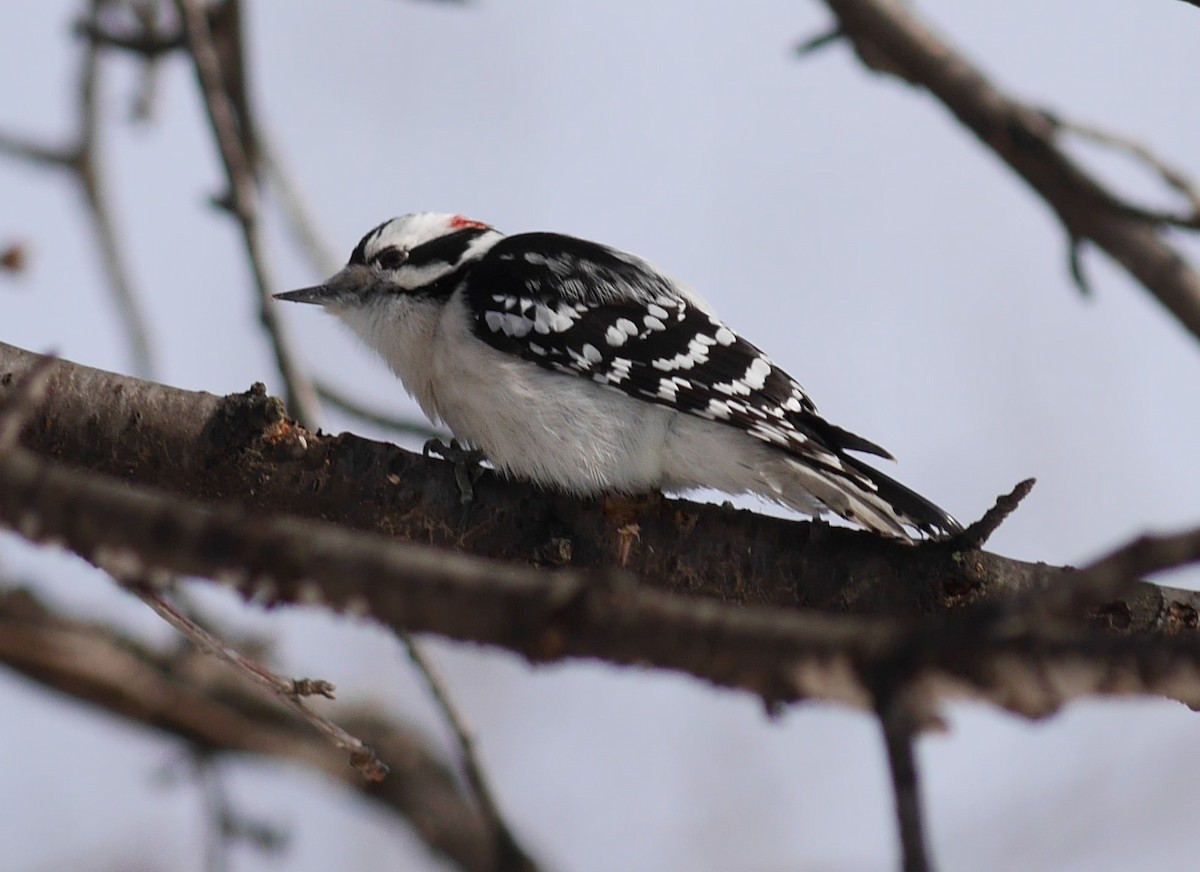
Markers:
{"x": 192, "y": 697}
{"x": 242, "y": 448}
{"x": 510, "y": 853}
{"x": 230, "y": 139}
{"x": 899, "y": 736}
{"x": 549, "y": 614}
{"x": 290, "y": 692}
{"x": 889, "y": 37}
{"x": 82, "y": 160}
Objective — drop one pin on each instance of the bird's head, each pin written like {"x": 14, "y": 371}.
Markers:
{"x": 421, "y": 254}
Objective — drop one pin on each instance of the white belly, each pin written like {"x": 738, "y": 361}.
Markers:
{"x": 557, "y": 429}
{"x": 562, "y": 431}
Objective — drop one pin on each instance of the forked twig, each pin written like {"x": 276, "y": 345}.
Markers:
{"x": 1174, "y": 178}
{"x": 289, "y": 691}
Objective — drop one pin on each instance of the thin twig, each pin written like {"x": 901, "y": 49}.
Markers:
{"x": 289, "y": 691}
{"x": 82, "y": 159}
{"x": 217, "y": 713}
{"x": 27, "y": 149}
{"x": 978, "y": 533}
{"x": 226, "y": 825}
{"x": 352, "y": 407}
{"x": 1075, "y": 264}
{"x": 510, "y": 853}
{"x": 1023, "y": 136}
{"x": 1174, "y": 178}
{"x": 899, "y": 736}
{"x": 820, "y": 41}
{"x": 216, "y": 810}
{"x": 1111, "y": 577}
{"x": 302, "y": 399}
{"x": 296, "y": 211}
{"x": 91, "y": 180}
{"x": 145, "y": 42}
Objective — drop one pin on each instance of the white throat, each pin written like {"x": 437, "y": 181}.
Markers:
{"x": 402, "y": 329}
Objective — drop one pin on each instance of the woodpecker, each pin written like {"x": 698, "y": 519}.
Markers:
{"x": 588, "y": 370}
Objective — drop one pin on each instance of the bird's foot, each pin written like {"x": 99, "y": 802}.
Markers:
{"x": 467, "y": 469}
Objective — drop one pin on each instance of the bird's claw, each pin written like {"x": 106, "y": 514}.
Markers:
{"x": 467, "y": 469}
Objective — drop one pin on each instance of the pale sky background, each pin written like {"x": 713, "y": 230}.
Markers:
{"x": 840, "y": 220}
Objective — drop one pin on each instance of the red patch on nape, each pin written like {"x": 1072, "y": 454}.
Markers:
{"x": 459, "y": 222}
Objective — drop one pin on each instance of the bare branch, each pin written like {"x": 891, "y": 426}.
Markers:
{"x": 27, "y": 149}
{"x": 899, "y": 734}
{"x": 300, "y": 221}
{"x": 889, "y": 36}
{"x": 83, "y": 161}
{"x": 821, "y": 40}
{"x": 1172, "y": 177}
{"x": 1113, "y": 576}
{"x": 217, "y": 711}
{"x": 198, "y": 446}
{"x": 243, "y": 201}
{"x": 511, "y": 854}
{"x": 89, "y": 173}
{"x": 545, "y": 615}
{"x": 145, "y": 42}
{"x": 287, "y": 691}
{"x": 978, "y": 533}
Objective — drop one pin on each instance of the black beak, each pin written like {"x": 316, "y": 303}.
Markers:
{"x": 318, "y": 294}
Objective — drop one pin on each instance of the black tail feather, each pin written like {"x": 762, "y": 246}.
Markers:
{"x": 915, "y": 510}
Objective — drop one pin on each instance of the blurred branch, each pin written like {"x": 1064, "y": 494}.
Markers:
{"x": 190, "y": 696}
{"x": 890, "y": 37}
{"x": 1174, "y": 178}
{"x": 299, "y": 217}
{"x": 815, "y": 43}
{"x": 899, "y": 734}
{"x": 225, "y": 825}
{"x": 82, "y": 160}
{"x": 1023, "y": 663}
{"x": 352, "y": 407}
{"x": 288, "y": 691}
{"x": 230, "y": 135}
{"x": 511, "y": 855}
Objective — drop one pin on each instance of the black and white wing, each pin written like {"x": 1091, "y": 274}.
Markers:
{"x": 582, "y": 308}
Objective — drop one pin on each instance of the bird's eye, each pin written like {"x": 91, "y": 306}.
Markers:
{"x": 391, "y": 257}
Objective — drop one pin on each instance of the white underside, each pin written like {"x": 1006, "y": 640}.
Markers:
{"x": 568, "y": 433}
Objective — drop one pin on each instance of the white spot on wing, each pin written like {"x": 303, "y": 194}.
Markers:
{"x": 756, "y": 373}
{"x": 731, "y": 388}
{"x": 547, "y": 320}
{"x": 718, "y": 409}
